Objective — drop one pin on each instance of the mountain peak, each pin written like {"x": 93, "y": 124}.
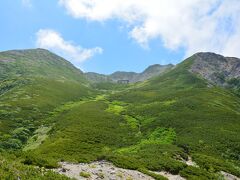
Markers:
{"x": 36, "y": 62}
{"x": 156, "y": 68}
{"x": 26, "y": 51}
{"x": 209, "y": 56}
{"x": 215, "y": 68}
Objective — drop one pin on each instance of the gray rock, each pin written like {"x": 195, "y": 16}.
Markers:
{"x": 215, "y": 68}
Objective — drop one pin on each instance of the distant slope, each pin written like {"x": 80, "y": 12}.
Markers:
{"x": 95, "y": 77}
{"x": 33, "y": 83}
{"x": 37, "y": 63}
{"x": 133, "y": 77}
{"x": 121, "y": 75}
{"x": 153, "y": 70}
{"x": 19, "y": 67}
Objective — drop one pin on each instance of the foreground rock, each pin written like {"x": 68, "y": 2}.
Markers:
{"x": 228, "y": 176}
{"x": 107, "y": 171}
{"x": 99, "y": 170}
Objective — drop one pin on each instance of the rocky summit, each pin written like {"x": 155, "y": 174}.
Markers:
{"x": 216, "y": 68}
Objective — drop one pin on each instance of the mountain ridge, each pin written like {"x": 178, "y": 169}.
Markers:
{"x": 215, "y": 68}
{"x": 37, "y": 62}
{"x": 132, "y": 77}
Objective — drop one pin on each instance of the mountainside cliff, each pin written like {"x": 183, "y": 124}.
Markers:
{"x": 217, "y": 69}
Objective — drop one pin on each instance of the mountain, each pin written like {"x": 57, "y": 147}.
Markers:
{"x": 32, "y": 83}
{"x": 154, "y": 126}
{"x": 205, "y": 119}
{"x": 121, "y": 75}
{"x": 47, "y": 117}
{"x": 37, "y": 63}
{"x": 95, "y": 77}
{"x": 217, "y": 69}
{"x": 132, "y": 77}
{"x": 154, "y": 70}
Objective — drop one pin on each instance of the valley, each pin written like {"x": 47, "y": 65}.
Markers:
{"x": 55, "y": 115}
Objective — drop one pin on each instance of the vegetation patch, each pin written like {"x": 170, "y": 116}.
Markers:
{"x": 154, "y": 175}
{"x": 169, "y": 102}
{"x": 85, "y": 174}
{"x": 12, "y": 168}
{"x": 115, "y": 107}
{"x": 39, "y": 136}
{"x": 132, "y": 122}
{"x": 161, "y": 136}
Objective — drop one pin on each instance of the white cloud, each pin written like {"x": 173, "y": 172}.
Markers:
{"x": 52, "y": 40}
{"x": 27, "y": 3}
{"x": 195, "y": 25}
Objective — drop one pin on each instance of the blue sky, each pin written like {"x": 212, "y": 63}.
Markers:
{"x": 106, "y": 40}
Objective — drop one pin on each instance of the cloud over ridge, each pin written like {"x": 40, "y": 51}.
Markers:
{"x": 52, "y": 40}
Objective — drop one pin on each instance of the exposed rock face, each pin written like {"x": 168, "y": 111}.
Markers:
{"x": 99, "y": 170}
{"x": 216, "y": 68}
{"x": 132, "y": 77}
{"x": 107, "y": 171}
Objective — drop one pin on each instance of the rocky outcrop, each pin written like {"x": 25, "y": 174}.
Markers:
{"x": 216, "y": 69}
{"x": 107, "y": 171}
{"x": 99, "y": 170}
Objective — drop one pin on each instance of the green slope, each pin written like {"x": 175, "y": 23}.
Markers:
{"x": 206, "y": 120}
{"x": 12, "y": 168}
{"x": 32, "y": 84}
{"x": 152, "y": 125}
{"x": 35, "y": 63}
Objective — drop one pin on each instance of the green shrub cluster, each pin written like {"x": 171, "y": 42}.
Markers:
{"x": 12, "y": 168}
